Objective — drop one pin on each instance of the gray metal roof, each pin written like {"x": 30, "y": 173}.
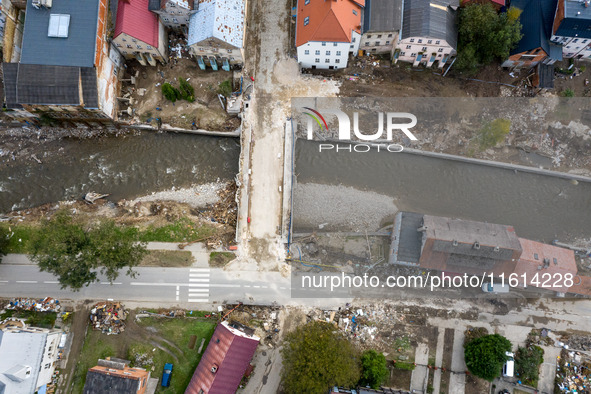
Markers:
{"x": 18, "y": 350}
{"x": 409, "y": 247}
{"x": 430, "y": 19}
{"x": 382, "y": 15}
{"x": 101, "y": 383}
{"x": 154, "y": 5}
{"x": 49, "y": 85}
{"x": 77, "y": 49}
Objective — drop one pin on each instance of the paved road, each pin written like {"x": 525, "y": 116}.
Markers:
{"x": 166, "y": 285}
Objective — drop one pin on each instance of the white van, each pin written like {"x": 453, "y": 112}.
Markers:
{"x": 509, "y": 367}
{"x": 495, "y": 288}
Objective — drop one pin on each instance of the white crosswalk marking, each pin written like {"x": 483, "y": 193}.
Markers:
{"x": 198, "y": 289}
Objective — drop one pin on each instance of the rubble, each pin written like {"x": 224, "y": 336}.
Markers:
{"x": 47, "y": 304}
{"x": 109, "y": 317}
{"x": 573, "y": 373}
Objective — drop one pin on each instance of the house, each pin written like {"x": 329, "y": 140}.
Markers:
{"x": 225, "y": 360}
{"x": 572, "y": 29}
{"x": 174, "y": 14}
{"x": 63, "y": 69}
{"x": 27, "y": 358}
{"x": 535, "y": 46}
{"x": 429, "y": 32}
{"x": 539, "y": 261}
{"x": 114, "y": 375}
{"x": 327, "y": 32}
{"x": 382, "y": 22}
{"x": 216, "y": 33}
{"x": 139, "y": 34}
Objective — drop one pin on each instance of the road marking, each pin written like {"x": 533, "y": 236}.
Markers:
{"x": 26, "y": 281}
{"x": 53, "y": 282}
{"x": 246, "y": 285}
{"x": 167, "y": 284}
{"x": 223, "y": 285}
{"x": 257, "y": 287}
{"x": 109, "y": 283}
{"x": 199, "y": 269}
{"x": 283, "y": 288}
{"x": 197, "y": 290}
{"x": 198, "y": 300}
{"x": 195, "y": 275}
{"x": 264, "y": 287}
{"x": 198, "y": 280}
{"x": 3, "y": 281}
{"x": 178, "y": 288}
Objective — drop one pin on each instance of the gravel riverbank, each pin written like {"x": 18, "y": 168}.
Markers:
{"x": 197, "y": 196}
{"x": 340, "y": 208}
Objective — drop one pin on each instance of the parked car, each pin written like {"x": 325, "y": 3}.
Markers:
{"x": 166, "y": 375}
{"x": 495, "y": 288}
{"x": 509, "y": 367}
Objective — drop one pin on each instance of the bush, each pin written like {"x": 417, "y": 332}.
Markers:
{"x": 485, "y": 356}
{"x": 404, "y": 366}
{"x": 374, "y": 369}
{"x": 186, "y": 90}
{"x": 225, "y": 88}
{"x": 170, "y": 92}
{"x": 527, "y": 364}
{"x": 493, "y": 133}
{"x": 567, "y": 93}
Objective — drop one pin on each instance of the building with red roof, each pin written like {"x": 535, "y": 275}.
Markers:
{"x": 139, "y": 34}
{"x": 327, "y": 31}
{"x": 225, "y": 360}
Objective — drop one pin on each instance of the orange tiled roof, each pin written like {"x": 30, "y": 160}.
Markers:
{"x": 528, "y": 264}
{"x": 582, "y": 285}
{"x": 329, "y": 20}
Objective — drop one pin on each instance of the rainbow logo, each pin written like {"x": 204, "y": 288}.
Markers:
{"x": 316, "y": 118}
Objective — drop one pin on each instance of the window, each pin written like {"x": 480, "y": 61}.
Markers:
{"x": 129, "y": 46}
{"x": 387, "y": 42}
{"x": 323, "y": 44}
{"x": 440, "y": 50}
{"x": 351, "y": 46}
{"x": 377, "y": 43}
{"x": 389, "y": 35}
{"x": 133, "y": 40}
{"x": 201, "y": 49}
{"x": 317, "y": 52}
{"x": 423, "y": 49}
{"x": 148, "y": 47}
{"x": 326, "y": 60}
{"x": 366, "y": 43}
{"x": 354, "y": 12}
{"x": 379, "y": 36}
{"x": 337, "y": 60}
{"x": 353, "y": 39}
{"x": 123, "y": 39}
{"x": 420, "y": 41}
{"x": 402, "y": 53}
{"x": 369, "y": 36}
{"x": 429, "y": 42}
{"x": 413, "y": 54}
{"x": 437, "y": 42}
{"x": 412, "y": 40}
{"x": 575, "y": 40}
{"x": 327, "y": 53}
{"x": 118, "y": 45}
{"x": 229, "y": 51}
{"x": 338, "y": 53}
{"x": 306, "y": 2}
{"x": 408, "y": 46}
{"x": 59, "y": 24}
{"x": 306, "y": 52}
{"x": 124, "y": 52}
{"x": 317, "y": 60}
{"x": 306, "y": 21}
{"x": 334, "y": 44}
{"x": 175, "y": 20}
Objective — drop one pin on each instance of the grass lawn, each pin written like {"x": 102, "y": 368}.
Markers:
{"x": 220, "y": 259}
{"x": 167, "y": 258}
{"x": 33, "y": 318}
{"x": 144, "y": 348}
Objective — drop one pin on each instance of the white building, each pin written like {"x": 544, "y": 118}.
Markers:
{"x": 27, "y": 359}
{"x": 174, "y": 14}
{"x": 327, "y": 32}
{"x": 216, "y": 33}
{"x": 381, "y": 26}
{"x": 572, "y": 28}
{"x": 429, "y": 32}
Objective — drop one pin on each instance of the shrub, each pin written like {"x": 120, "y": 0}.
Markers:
{"x": 170, "y": 92}
{"x": 187, "y": 91}
{"x": 493, "y": 133}
{"x": 225, "y": 88}
{"x": 404, "y": 365}
{"x": 567, "y": 93}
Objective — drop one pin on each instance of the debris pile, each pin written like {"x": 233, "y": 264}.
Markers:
{"x": 47, "y": 304}
{"x": 225, "y": 210}
{"x": 264, "y": 320}
{"x": 109, "y": 317}
{"x": 573, "y": 373}
{"x": 577, "y": 342}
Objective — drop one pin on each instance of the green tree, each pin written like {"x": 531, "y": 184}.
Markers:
{"x": 76, "y": 255}
{"x": 225, "y": 88}
{"x": 170, "y": 92}
{"x": 4, "y": 241}
{"x": 187, "y": 91}
{"x": 315, "y": 357}
{"x": 373, "y": 369}
{"x": 485, "y": 356}
{"x": 485, "y": 35}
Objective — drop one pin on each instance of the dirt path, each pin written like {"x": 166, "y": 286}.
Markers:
{"x": 78, "y": 330}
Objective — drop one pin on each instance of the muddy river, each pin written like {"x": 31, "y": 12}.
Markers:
{"x": 538, "y": 206}
{"x": 123, "y": 167}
